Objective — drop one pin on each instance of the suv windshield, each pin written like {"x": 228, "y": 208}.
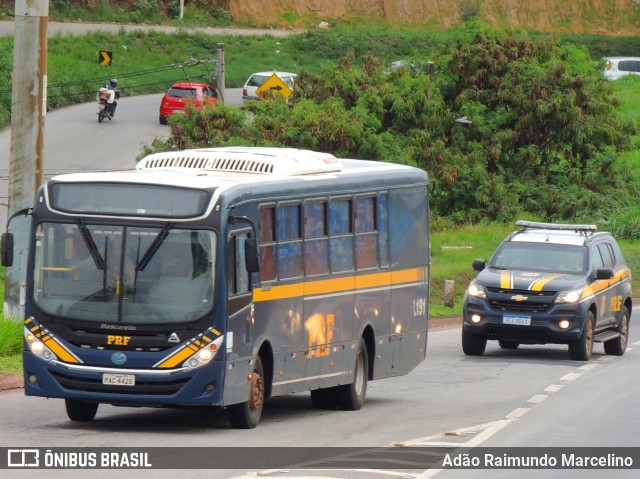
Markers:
{"x": 123, "y": 274}
{"x": 545, "y": 257}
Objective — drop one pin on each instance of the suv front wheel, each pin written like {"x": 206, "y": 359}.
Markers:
{"x": 581, "y": 349}
{"x": 473, "y": 344}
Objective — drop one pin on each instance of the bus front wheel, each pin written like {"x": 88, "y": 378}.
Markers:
{"x": 81, "y": 411}
{"x": 246, "y": 415}
{"x": 350, "y": 397}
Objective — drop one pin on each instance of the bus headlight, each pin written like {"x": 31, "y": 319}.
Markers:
{"x": 568, "y": 297}
{"x": 476, "y": 291}
{"x": 203, "y": 355}
{"x": 37, "y": 347}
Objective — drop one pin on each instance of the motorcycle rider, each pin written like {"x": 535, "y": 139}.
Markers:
{"x": 113, "y": 85}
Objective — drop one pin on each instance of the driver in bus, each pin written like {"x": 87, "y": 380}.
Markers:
{"x": 87, "y": 269}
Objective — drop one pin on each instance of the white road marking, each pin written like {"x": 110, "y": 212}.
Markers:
{"x": 538, "y": 398}
{"x": 588, "y": 367}
{"x": 570, "y": 377}
{"x": 553, "y": 388}
{"x": 518, "y": 413}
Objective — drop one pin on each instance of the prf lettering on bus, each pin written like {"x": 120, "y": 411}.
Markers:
{"x": 118, "y": 340}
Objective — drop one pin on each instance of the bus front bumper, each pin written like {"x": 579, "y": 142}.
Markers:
{"x": 120, "y": 386}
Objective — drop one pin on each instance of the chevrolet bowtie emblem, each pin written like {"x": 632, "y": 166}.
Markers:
{"x": 519, "y": 297}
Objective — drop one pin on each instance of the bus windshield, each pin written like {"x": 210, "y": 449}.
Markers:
{"x": 123, "y": 274}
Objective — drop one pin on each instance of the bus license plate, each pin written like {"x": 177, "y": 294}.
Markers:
{"x": 119, "y": 379}
{"x": 516, "y": 319}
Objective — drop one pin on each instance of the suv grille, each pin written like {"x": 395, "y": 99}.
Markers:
{"x": 526, "y": 302}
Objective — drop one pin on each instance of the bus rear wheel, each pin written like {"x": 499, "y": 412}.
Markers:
{"x": 246, "y": 415}
{"x": 323, "y": 398}
{"x": 350, "y": 397}
{"x": 80, "y": 411}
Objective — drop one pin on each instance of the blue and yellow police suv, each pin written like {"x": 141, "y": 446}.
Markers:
{"x": 550, "y": 283}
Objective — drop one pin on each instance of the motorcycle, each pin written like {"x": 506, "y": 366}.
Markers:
{"x": 106, "y": 103}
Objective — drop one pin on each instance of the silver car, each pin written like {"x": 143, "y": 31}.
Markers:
{"x": 256, "y": 80}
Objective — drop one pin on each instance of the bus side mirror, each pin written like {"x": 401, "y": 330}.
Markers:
{"x": 251, "y": 255}
{"x": 7, "y": 249}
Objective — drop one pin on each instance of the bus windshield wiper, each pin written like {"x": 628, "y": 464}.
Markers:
{"x": 91, "y": 245}
{"x": 153, "y": 247}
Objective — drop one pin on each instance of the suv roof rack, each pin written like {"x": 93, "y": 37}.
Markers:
{"x": 555, "y": 226}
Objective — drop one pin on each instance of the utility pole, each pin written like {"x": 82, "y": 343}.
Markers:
{"x": 28, "y": 110}
{"x": 220, "y": 82}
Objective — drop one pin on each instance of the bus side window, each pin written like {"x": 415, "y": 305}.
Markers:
{"x": 237, "y": 276}
{"x": 267, "y": 242}
{"x": 316, "y": 257}
{"x": 341, "y": 236}
{"x": 289, "y": 241}
{"x": 383, "y": 235}
{"x": 366, "y": 235}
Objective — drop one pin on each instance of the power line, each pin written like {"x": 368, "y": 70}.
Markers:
{"x": 192, "y": 62}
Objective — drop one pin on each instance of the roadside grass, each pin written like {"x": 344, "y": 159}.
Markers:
{"x": 627, "y": 91}
{"x": 10, "y": 346}
{"x": 452, "y": 252}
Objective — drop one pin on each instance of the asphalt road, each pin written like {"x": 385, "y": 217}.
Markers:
{"x": 59, "y": 28}
{"x": 532, "y": 396}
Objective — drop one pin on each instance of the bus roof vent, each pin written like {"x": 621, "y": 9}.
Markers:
{"x": 260, "y": 160}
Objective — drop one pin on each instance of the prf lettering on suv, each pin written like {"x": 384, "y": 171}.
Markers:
{"x": 550, "y": 283}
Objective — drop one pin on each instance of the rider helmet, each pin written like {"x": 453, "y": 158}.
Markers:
{"x": 113, "y": 82}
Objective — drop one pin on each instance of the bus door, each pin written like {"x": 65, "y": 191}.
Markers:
{"x": 240, "y": 309}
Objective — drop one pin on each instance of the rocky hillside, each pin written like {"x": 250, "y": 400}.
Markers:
{"x": 604, "y": 17}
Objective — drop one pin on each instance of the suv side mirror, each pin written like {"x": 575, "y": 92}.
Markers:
{"x": 7, "y": 249}
{"x": 604, "y": 273}
{"x": 478, "y": 264}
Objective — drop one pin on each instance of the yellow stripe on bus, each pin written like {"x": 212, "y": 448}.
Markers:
{"x": 59, "y": 351}
{"x": 334, "y": 285}
{"x": 178, "y": 358}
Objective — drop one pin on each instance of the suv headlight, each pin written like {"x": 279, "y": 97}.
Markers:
{"x": 476, "y": 291}
{"x": 568, "y": 297}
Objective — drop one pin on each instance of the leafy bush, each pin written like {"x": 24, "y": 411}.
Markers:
{"x": 543, "y": 138}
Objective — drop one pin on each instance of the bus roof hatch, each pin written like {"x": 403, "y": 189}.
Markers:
{"x": 260, "y": 160}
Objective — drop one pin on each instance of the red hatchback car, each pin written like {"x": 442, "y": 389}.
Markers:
{"x": 180, "y": 94}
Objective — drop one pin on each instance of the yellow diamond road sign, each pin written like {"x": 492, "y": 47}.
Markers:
{"x": 274, "y": 86}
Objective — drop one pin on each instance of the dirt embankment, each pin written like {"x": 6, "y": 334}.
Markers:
{"x": 604, "y": 17}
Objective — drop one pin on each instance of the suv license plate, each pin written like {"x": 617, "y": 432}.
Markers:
{"x": 516, "y": 319}
{"x": 119, "y": 379}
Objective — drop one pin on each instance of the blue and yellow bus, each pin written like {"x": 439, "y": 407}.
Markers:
{"x": 223, "y": 277}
